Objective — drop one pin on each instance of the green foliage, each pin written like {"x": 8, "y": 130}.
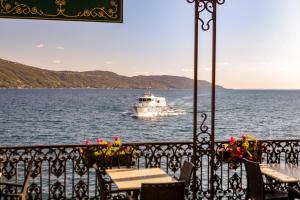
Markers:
{"x": 16, "y": 75}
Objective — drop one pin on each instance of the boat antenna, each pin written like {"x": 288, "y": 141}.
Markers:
{"x": 149, "y": 91}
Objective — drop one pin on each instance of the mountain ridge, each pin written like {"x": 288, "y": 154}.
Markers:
{"x": 17, "y": 75}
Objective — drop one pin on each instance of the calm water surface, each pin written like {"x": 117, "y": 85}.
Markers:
{"x": 66, "y": 116}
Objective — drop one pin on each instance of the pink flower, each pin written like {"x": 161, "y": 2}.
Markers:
{"x": 99, "y": 140}
{"x": 232, "y": 140}
{"x": 244, "y": 137}
{"x": 117, "y": 138}
{"x": 88, "y": 142}
{"x": 250, "y": 158}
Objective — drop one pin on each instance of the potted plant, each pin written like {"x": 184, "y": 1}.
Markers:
{"x": 234, "y": 151}
{"x": 108, "y": 154}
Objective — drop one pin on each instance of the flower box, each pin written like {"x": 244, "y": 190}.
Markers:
{"x": 108, "y": 154}
{"x": 234, "y": 151}
{"x": 108, "y": 162}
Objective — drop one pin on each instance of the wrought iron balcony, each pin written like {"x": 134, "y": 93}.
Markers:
{"x": 60, "y": 173}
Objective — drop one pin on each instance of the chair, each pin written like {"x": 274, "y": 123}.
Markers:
{"x": 163, "y": 191}
{"x": 293, "y": 193}
{"x": 105, "y": 192}
{"x": 24, "y": 187}
{"x": 186, "y": 172}
{"x": 255, "y": 184}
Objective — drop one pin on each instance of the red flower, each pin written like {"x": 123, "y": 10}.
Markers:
{"x": 232, "y": 140}
{"x": 244, "y": 137}
{"x": 117, "y": 138}
{"x": 88, "y": 142}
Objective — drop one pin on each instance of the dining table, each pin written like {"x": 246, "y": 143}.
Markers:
{"x": 132, "y": 179}
{"x": 285, "y": 173}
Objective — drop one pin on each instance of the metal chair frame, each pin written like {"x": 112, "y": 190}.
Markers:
{"x": 255, "y": 184}
{"x": 24, "y": 187}
{"x": 163, "y": 191}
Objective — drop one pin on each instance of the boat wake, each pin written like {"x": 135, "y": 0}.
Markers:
{"x": 176, "y": 112}
{"x": 171, "y": 112}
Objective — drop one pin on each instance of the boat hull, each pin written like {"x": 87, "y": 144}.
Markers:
{"x": 150, "y": 111}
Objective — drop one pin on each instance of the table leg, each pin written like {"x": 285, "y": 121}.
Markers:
{"x": 136, "y": 194}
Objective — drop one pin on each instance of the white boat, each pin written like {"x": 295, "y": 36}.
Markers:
{"x": 149, "y": 105}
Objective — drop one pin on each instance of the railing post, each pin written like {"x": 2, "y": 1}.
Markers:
{"x": 1, "y": 175}
{"x": 213, "y": 98}
{"x": 195, "y": 100}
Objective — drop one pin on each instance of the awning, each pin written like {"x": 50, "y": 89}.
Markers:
{"x": 75, "y": 10}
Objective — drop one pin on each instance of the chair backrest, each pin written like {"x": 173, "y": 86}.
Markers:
{"x": 163, "y": 191}
{"x": 255, "y": 183}
{"x": 101, "y": 183}
{"x": 186, "y": 172}
{"x": 26, "y": 180}
{"x": 293, "y": 193}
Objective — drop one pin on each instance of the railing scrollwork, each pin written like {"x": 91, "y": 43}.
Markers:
{"x": 59, "y": 171}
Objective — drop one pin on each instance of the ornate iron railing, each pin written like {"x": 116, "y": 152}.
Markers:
{"x": 60, "y": 173}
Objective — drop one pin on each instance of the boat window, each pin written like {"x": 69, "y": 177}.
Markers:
{"x": 145, "y": 99}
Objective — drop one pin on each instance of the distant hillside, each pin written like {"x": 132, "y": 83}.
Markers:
{"x": 16, "y": 75}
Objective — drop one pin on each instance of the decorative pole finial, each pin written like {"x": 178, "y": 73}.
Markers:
{"x": 205, "y": 11}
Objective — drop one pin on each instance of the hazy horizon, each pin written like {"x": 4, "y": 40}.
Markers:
{"x": 257, "y": 47}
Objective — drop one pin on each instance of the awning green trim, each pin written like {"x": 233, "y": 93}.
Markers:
{"x": 76, "y": 10}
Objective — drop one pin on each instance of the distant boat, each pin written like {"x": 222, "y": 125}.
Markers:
{"x": 149, "y": 105}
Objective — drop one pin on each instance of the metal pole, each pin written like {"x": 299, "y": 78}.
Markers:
{"x": 213, "y": 97}
{"x": 195, "y": 137}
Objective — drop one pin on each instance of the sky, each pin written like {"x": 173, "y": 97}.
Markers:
{"x": 258, "y": 43}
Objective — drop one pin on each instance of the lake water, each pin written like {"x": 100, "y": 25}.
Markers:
{"x": 70, "y": 116}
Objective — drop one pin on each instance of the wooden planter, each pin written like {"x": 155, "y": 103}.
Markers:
{"x": 238, "y": 163}
{"x": 110, "y": 161}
